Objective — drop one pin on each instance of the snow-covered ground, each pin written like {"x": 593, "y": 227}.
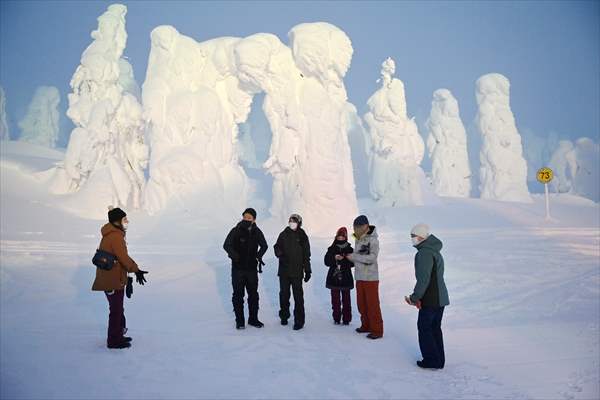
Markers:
{"x": 523, "y": 320}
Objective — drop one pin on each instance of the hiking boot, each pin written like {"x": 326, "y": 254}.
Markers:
{"x": 122, "y": 345}
{"x": 421, "y": 364}
{"x": 374, "y": 336}
{"x": 284, "y": 322}
{"x": 362, "y": 330}
{"x": 255, "y": 323}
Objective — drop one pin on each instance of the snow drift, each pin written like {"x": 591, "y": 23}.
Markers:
{"x": 106, "y": 154}
{"x": 447, "y": 145}
{"x": 503, "y": 171}
{"x": 395, "y": 147}
{"x": 41, "y": 123}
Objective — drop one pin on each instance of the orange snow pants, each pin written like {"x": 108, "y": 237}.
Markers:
{"x": 367, "y": 299}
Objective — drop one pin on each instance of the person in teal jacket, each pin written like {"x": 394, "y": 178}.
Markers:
{"x": 430, "y": 296}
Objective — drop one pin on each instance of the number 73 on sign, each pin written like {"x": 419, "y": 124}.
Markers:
{"x": 545, "y": 175}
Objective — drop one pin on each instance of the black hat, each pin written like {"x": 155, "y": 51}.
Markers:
{"x": 361, "y": 220}
{"x": 250, "y": 211}
{"x": 115, "y": 214}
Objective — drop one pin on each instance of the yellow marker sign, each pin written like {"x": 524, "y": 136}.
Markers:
{"x": 545, "y": 175}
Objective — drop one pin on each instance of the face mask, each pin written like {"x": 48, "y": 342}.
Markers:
{"x": 125, "y": 225}
{"x": 293, "y": 225}
{"x": 415, "y": 241}
{"x": 246, "y": 224}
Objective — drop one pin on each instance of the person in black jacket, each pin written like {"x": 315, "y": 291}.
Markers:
{"x": 293, "y": 250}
{"x": 242, "y": 246}
{"x": 339, "y": 276}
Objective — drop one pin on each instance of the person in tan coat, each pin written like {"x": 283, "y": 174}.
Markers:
{"x": 113, "y": 281}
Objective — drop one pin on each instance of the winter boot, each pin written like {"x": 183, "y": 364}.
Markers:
{"x": 284, "y": 322}
{"x": 374, "y": 336}
{"x": 127, "y": 339}
{"x": 361, "y": 330}
{"x": 122, "y": 345}
{"x": 240, "y": 325}
{"x": 421, "y": 364}
{"x": 298, "y": 326}
{"x": 255, "y": 323}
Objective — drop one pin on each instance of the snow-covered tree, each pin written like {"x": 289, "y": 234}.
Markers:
{"x": 447, "y": 145}
{"x": 397, "y": 149}
{"x": 537, "y": 150}
{"x": 196, "y": 95}
{"x": 127, "y": 79}
{"x": 41, "y": 123}
{"x": 4, "y": 134}
{"x": 106, "y": 153}
{"x": 503, "y": 171}
{"x": 564, "y": 165}
{"x": 586, "y": 180}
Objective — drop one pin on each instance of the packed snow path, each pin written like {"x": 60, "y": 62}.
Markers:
{"x": 523, "y": 323}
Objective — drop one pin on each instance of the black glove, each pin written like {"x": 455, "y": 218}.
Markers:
{"x": 306, "y": 276}
{"x": 139, "y": 277}
{"x": 129, "y": 287}
{"x": 260, "y": 265}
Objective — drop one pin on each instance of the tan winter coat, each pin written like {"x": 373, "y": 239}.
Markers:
{"x": 113, "y": 241}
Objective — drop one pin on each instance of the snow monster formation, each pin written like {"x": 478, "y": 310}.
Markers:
{"x": 447, "y": 145}
{"x": 4, "y": 134}
{"x": 106, "y": 154}
{"x": 41, "y": 123}
{"x": 503, "y": 171}
{"x": 196, "y": 94}
{"x": 564, "y": 165}
{"x": 586, "y": 181}
{"x": 395, "y": 147}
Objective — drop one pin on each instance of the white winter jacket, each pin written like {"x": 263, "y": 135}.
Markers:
{"x": 365, "y": 255}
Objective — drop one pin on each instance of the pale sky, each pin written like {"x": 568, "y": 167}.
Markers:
{"x": 548, "y": 50}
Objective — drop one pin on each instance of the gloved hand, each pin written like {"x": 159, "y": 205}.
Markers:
{"x": 307, "y": 276}
{"x": 129, "y": 287}
{"x": 260, "y": 264}
{"x": 139, "y": 277}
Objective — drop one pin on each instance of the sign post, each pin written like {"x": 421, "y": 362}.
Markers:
{"x": 545, "y": 175}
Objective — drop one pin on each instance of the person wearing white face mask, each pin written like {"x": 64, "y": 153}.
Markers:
{"x": 430, "y": 296}
{"x": 112, "y": 280}
{"x": 293, "y": 250}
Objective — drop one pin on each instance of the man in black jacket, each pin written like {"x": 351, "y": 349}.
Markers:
{"x": 293, "y": 250}
{"x": 242, "y": 246}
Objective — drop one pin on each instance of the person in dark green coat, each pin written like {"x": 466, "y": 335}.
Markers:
{"x": 430, "y": 296}
{"x": 293, "y": 250}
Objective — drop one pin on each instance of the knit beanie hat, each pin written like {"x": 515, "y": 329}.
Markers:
{"x": 342, "y": 232}
{"x": 115, "y": 214}
{"x": 421, "y": 230}
{"x": 361, "y": 220}
{"x": 250, "y": 211}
